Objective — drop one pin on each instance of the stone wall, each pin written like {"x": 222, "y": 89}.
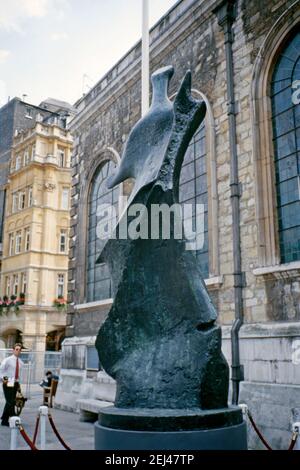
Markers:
{"x": 270, "y": 353}
{"x": 190, "y": 37}
{"x": 106, "y": 121}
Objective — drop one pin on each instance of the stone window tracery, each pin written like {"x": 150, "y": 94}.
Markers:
{"x": 286, "y": 140}
{"x": 98, "y": 277}
{"x": 193, "y": 190}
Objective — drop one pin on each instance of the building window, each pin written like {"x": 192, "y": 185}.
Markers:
{"x": 30, "y": 197}
{"x": 286, "y": 138}
{"x": 63, "y": 241}
{"x": 33, "y": 152}
{"x": 92, "y": 359}
{"x": 65, "y": 199}
{"x": 11, "y": 244}
{"x": 15, "y": 199}
{"x": 29, "y": 113}
{"x": 26, "y": 157}
{"x": 24, "y": 283}
{"x": 60, "y": 285}
{"x": 21, "y": 200}
{"x": 193, "y": 191}
{"x": 7, "y": 285}
{"x": 61, "y": 157}
{"x": 27, "y": 239}
{"x": 15, "y": 284}
{"x": 18, "y": 162}
{"x": 98, "y": 277}
{"x": 18, "y": 241}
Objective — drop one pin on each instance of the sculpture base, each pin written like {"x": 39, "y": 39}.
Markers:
{"x": 229, "y": 438}
{"x": 140, "y": 429}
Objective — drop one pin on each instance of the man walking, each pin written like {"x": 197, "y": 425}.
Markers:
{"x": 10, "y": 370}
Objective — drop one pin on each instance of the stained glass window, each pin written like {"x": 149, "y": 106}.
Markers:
{"x": 98, "y": 277}
{"x": 193, "y": 191}
{"x": 286, "y": 138}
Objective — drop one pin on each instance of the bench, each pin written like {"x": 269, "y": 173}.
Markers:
{"x": 90, "y": 407}
{"x": 49, "y": 393}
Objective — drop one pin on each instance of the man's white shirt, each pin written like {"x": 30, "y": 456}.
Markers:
{"x": 8, "y": 368}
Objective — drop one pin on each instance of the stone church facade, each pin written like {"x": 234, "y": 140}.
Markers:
{"x": 266, "y": 109}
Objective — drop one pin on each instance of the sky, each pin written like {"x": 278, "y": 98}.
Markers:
{"x": 61, "y": 48}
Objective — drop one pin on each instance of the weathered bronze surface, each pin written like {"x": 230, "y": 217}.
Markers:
{"x": 160, "y": 341}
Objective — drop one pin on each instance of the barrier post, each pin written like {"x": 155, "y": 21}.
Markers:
{"x": 296, "y": 429}
{"x": 43, "y": 410}
{"x": 244, "y": 408}
{"x": 14, "y": 423}
{"x": 296, "y": 426}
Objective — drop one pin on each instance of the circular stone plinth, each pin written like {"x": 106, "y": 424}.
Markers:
{"x": 225, "y": 438}
{"x": 140, "y": 419}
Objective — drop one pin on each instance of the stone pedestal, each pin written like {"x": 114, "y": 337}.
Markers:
{"x": 123, "y": 429}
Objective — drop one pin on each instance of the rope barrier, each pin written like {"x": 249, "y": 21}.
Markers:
{"x": 294, "y": 435}
{"x": 258, "y": 431}
{"x": 36, "y": 429}
{"x": 245, "y": 409}
{"x": 294, "y": 440}
{"x": 26, "y": 438}
{"x": 57, "y": 433}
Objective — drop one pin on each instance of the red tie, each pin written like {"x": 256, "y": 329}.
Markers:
{"x": 17, "y": 370}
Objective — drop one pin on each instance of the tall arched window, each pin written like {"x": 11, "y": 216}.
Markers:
{"x": 286, "y": 138}
{"x": 193, "y": 190}
{"x": 98, "y": 278}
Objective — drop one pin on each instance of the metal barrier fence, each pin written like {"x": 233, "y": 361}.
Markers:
{"x": 36, "y": 364}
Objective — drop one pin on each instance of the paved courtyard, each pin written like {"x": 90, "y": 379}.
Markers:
{"x": 78, "y": 435}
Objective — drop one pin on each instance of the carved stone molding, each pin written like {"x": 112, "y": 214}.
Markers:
{"x": 49, "y": 187}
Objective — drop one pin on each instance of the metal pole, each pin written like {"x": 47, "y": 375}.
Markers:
{"x": 145, "y": 57}
{"x": 43, "y": 410}
{"x": 14, "y": 423}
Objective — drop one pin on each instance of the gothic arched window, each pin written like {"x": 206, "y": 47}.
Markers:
{"x": 98, "y": 277}
{"x": 286, "y": 138}
{"x": 193, "y": 190}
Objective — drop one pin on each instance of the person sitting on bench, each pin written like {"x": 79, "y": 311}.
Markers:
{"x": 46, "y": 382}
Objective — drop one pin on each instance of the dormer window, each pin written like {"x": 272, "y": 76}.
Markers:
{"x": 28, "y": 113}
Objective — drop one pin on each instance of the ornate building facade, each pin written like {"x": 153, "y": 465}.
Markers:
{"x": 242, "y": 165}
{"x": 35, "y": 238}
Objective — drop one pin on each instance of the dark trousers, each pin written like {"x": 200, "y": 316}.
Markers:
{"x": 10, "y": 398}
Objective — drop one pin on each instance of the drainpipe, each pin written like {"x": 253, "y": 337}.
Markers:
{"x": 226, "y": 14}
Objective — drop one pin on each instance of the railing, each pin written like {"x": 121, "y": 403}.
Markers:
{"x": 16, "y": 428}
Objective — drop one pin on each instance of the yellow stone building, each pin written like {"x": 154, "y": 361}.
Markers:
{"x": 35, "y": 237}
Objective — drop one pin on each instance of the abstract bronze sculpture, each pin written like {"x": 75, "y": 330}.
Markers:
{"x": 160, "y": 341}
